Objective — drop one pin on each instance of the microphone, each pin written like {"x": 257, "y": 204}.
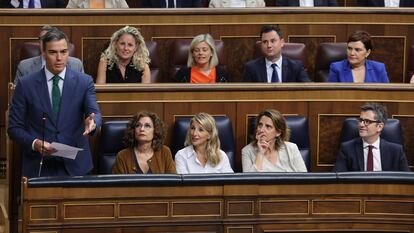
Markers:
{"x": 43, "y": 142}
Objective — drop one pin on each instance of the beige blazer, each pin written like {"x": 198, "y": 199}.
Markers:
{"x": 108, "y": 4}
{"x": 227, "y": 3}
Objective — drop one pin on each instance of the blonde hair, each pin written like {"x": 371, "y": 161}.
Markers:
{"x": 141, "y": 55}
{"x": 213, "y": 144}
{"x": 197, "y": 40}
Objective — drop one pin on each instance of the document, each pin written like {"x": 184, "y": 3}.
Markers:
{"x": 65, "y": 151}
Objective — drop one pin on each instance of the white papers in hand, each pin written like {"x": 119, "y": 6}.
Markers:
{"x": 65, "y": 151}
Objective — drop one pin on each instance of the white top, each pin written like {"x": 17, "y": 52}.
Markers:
{"x": 269, "y": 69}
{"x": 376, "y": 154}
{"x": 391, "y": 3}
{"x": 186, "y": 162}
{"x": 37, "y": 3}
{"x": 289, "y": 160}
{"x": 306, "y": 3}
{"x": 238, "y": 3}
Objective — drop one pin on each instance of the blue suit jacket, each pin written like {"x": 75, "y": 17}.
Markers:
{"x": 161, "y": 3}
{"x": 341, "y": 72}
{"x": 350, "y": 156}
{"x": 50, "y": 4}
{"x": 315, "y": 3}
{"x": 31, "y": 101}
{"x": 380, "y": 3}
{"x": 292, "y": 71}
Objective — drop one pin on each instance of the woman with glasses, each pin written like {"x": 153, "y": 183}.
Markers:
{"x": 202, "y": 153}
{"x": 270, "y": 151}
{"x": 145, "y": 152}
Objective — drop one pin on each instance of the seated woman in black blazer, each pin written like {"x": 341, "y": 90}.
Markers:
{"x": 202, "y": 64}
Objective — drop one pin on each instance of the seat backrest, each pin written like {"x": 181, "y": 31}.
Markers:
{"x": 179, "y": 55}
{"x": 155, "y": 61}
{"x": 328, "y": 53}
{"x": 110, "y": 143}
{"x": 225, "y": 131}
{"x": 410, "y": 66}
{"x": 392, "y": 131}
{"x": 299, "y": 134}
{"x": 294, "y": 51}
{"x": 32, "y": 49}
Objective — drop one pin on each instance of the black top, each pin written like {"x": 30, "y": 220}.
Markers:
{"x": 139, "y": 171}
{"x": 132, "y": 75}
{"x": 184, "y": 75}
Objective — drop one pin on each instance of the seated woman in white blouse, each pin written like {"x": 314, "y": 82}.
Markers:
{"x": 202, "y": 153}
{"x": 270, "y": 151}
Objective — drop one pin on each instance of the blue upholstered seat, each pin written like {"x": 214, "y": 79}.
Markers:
{"x": 299, "y": 134}
{"x": 110, "y": 143}
{"x": 392, "y": 131}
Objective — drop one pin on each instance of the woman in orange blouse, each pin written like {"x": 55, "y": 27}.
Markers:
{"x": 202, "y": 64}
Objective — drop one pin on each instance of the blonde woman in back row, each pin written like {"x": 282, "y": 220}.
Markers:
{"x": 236, "y": 3}
{"x": 202, "y": 153}
{"x": 126, "y": 60}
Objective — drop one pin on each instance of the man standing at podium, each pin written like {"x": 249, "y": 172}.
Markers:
{"x": 55, "y": 104}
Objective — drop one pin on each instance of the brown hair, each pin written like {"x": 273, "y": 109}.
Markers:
{"x": 159, "y": 132}
{"x": 279, "y": 123}
{"x": 362, "y": 36}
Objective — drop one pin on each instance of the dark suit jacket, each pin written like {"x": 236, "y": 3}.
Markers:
{"x": 350, "y": 156}
{"x": 31, "y": 101}
{"x": 380, "y": 3}
{"x": 50, "y": 4}
{"x": 161, "y": 3}
{"x": 315, "y": 3}
{"x": 341, "y": 72}
{"x": 292, "y": 71}
{"x": 184, "y": 75}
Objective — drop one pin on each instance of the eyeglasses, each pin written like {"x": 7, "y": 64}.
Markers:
{"x": 146, "y": 126}
{"x": 367, "y": 121}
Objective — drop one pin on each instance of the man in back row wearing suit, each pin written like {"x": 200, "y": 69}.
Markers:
{"x": 306, "y": 3}
{"x": 33, "y": 64}
{"x": 369, "y": 152}
{"x": 386, "y": 3}
{"x": 273, "y": 67}
{"x": 170, "y": 3}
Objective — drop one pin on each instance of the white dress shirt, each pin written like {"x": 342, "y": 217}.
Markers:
{"x": 391, "y": 3}
{"x": 37, "y": 4}
{"x": 376, "y": 155}
{"x": 186, "y": 162}
{"x": 306, "y": 3}
{"x": 175, "y": 4}
{"x": 269, "y": 69}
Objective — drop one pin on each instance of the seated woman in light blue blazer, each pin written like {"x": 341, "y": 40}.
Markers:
{"x": 357, "y": 68}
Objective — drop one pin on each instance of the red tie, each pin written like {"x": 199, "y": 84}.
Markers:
{"x": 370, "y": 160}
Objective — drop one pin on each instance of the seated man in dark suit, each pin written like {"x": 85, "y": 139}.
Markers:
{"x": 170, "y": 3}
{"x": 273, "y": 67}
{"x": 383, "y": 3}
{"x": 369, "y": 152}
{"x": 314, "y": 3}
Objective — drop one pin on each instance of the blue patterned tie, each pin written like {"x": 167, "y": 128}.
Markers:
{"x": 31, "y": 4}
{"x": 275, "y": 77}
{"x": 55, "y": 95}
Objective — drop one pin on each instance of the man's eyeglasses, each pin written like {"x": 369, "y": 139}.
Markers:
{"x": 367, "y": 121}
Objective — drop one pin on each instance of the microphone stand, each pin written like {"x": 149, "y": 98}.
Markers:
{"x": 43, "y": 144}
